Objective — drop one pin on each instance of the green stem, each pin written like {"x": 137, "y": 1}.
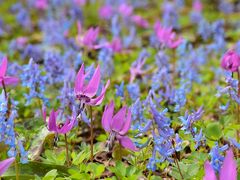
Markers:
{"x": 176, "y": 160}
{"x": 238, "y": 109}
{"x": 66, "y": 145}
{"x": 4, "y": 89}
{"x": 91, "y": 133}
{"x": 16, "y": 169}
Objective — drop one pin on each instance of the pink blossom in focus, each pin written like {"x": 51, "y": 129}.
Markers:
{"x": 52, "y": 122}
{"x": 118, "y": 125}
{"x": 6, "y": 80}
{"x": 228, "y": 170}
{"x": 86, "y": 93}
{"x": 4, "y": 165}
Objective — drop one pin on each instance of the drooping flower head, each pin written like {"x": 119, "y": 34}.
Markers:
{"x": 230, "y": 61}
{"x": 52, "y": 122}
{"x": 197, "y": 5}
{"x": 105, "y": 12}
{"x": 4, "y": 165}
{"x": 118, "y": 125}
{"x": 85, "y": 93}
{"x": 140, "y": 21}
{"x": 89, "y": 38}
{"x": 6, "y": 80}
{"x": 228, "y": 169}
{"x": 41, "y": 4}
{"x": 166, "y": 36}
{"x": 125, "y": 10}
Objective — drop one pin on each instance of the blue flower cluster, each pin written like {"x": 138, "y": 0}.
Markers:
{"x": 33, "y": 78}
{"x": 7, "y": 133}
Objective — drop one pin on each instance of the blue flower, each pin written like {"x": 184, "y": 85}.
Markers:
{"x": 133, "y": 91}
{"x": 120, "y": 90}
{"x": 217, "y": 157}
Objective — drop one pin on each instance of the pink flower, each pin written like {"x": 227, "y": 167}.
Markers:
{"x": 4, "y": 165}
{"x": 80, "y": 2}
{"x": 197, "y": 6}
{"x": 52, "y": 123}
{"x": 89, "y": 38}
{"x": 166, "y": 36}
{"x": 230, "y": 61}
{"x": 85, "y": 92}
{"x": 125, "y": 10}
{"x": 116, "y": 45}
{"x": 105, "y": 12}
{"x": 228, "y": 170}
{"x": 136, "y": 69}
{"x": 6, "y": 80}
{"x": 41, "y": 4}
{"x": 118, "y": 125}
{"x": 21, "y": 41}
{"x": 140, "y": 21}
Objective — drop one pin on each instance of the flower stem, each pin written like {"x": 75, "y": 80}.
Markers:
{"x": 91, "y": 133}
{"x": 16, "y": 169}
{"x": 4, "y": 89}
{"x": 238, "y": 108}
{"x": 66, "y": 145}
{"x": 176, "y": 160}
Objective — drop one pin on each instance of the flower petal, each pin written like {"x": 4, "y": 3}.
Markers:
{"x": 107, "y": 117}
{"x": 127, "y": 123}
{"x": 209, "y": 172}
{"x": 68, "y": 125}
{"x": 127, "y": 143}
{"x": 3, "y": 67}
{"x": 229, "y": 167}
{"x": 79, "y": 82}
{"x": 118, "y": 119}
{"x": 98, "y": 100}
{"x": 44, "y": 113}
{"x": 52, "y": 121}
{"x": 4, "y": 165}
{"x": 93, "y": 84}
{"x": 10, "y": 80}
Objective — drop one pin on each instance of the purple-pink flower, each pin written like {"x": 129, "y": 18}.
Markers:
{"x": 105, "y": 12}
{"x": 80, "y": 2}
{"x": 85, "y": 93}
{"x": 166, "y": 36}
{"x": 58, "y": 128}
{"x": 116, "y": 45}
{"x": 4, "y": 165}
{"x": 197, "y": 6}
{"x": 228, "y": 170}
{"x": 140, "y": 21}
{"x": 118, "y": 125}
{"x": 89, "y": 38}
{"x": 230, "y": 61}
{"x": 125, "y": 10}
{"x": 6, "y": 80}
{"x": 41, "y": 4}
{"x": 136, "y": 69}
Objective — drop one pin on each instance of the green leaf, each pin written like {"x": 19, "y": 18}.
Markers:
{"x": 213, "y": 131}
{"x": 50, "y": 175}
{"x": 99, "y": 170}
{"x": 34, "y": 169}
